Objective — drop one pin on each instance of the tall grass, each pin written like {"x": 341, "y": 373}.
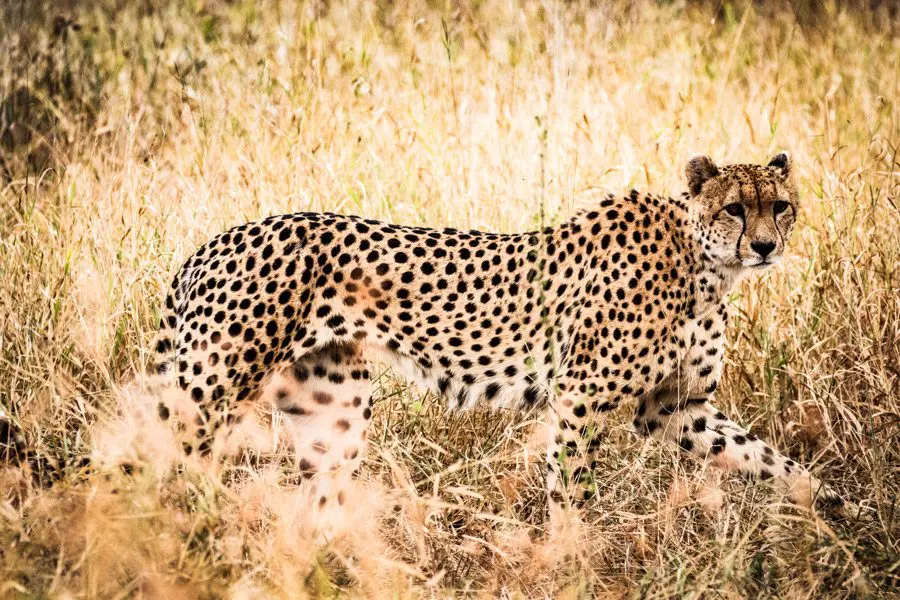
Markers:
{"x": 132, "y": 132}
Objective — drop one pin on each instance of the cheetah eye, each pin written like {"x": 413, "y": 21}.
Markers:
{"x": 779, "y": 207}
{"x": 735, "y": 209}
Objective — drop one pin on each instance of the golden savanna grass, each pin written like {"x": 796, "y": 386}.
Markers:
{"x": 132, "y": 132}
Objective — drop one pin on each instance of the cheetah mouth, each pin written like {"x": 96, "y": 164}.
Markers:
{"x": 757, "y": 262}
{"x": 761, "y": 264}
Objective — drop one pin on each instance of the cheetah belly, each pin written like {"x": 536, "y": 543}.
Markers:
{"x": 500, "y": 392}
{"x": 501, "y": 388}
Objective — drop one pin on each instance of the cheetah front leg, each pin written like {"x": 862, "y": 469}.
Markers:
{"x": 679, "y": 410}
{"x": 700, "y": 429}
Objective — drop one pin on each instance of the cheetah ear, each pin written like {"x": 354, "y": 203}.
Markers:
{"x": 782, "y": 162}
{"x": 699, "y": 170}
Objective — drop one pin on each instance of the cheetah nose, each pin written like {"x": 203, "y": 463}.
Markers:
{"x": 763, "y": 248}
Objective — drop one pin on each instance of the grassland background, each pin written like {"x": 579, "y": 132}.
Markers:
{"x": 132, "y": 132}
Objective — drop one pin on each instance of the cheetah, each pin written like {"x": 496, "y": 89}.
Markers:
{"x": 626, "y": 301}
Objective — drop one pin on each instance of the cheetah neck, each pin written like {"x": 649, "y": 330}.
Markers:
{"x": 713, "y": 284}
{"x": 713, "y": 280}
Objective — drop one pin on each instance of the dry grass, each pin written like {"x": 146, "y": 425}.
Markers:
{"x": 141, "y": 130}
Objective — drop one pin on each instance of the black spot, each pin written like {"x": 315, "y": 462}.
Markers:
{"x": 718, "y": 445}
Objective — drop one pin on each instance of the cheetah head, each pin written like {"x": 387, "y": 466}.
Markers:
{"x": 746, "y": 212}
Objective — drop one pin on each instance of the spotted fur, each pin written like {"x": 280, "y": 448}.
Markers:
{"x": 624, "y": 302}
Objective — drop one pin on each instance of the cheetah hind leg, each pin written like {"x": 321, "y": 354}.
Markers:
{"x": 325, "y": 401}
